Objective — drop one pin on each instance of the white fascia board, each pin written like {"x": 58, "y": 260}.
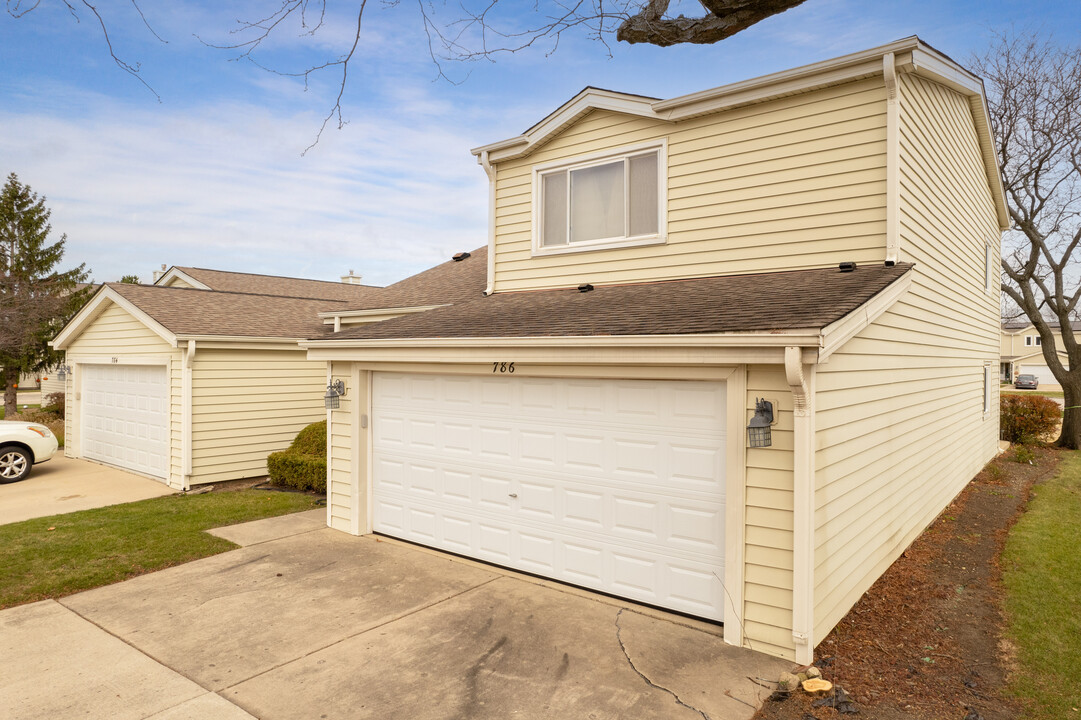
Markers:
{"x": 211, "y": 341}
{"x": 778, "y": 338}
{"x": 96, "y": 306}
{"x": 588, "y": 99}
{"x": 174, "y": 273}
{"x": 837, "y": 333}
{"x": 328, "y": 317}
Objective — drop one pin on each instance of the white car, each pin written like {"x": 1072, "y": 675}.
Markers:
{"x": 23, "y": 445}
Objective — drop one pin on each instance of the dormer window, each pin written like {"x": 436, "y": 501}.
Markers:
{"x": 602, "y": 201}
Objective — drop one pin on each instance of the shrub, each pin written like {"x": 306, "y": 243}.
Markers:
{"x": 1027, "y": 418}
{"x": 55, "y": 403}
{"x": 304, "y": 464}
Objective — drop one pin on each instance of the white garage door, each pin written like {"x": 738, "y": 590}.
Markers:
{"x": 1042, "y": 373}
{"x": 125, "y": 417}
{"x": 613, "y": 485}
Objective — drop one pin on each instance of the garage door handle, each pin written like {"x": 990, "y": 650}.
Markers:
{"x": 512, "y": 495}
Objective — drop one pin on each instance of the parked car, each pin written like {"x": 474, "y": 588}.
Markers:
{"x": 1026, "y": 382}
{"x": 23, "y": 445}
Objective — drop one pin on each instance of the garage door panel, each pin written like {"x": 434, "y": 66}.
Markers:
{"x": 125, "y": 417}
{"x": 613, "y": 485}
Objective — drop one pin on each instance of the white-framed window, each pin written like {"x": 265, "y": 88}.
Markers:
{"x": 1031, "y": 340}
{"x": 988, "y": 263}
{"x": 605, "y": 200}
{"x": 987, "y": 390}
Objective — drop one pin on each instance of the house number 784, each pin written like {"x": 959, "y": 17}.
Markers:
{"x": 502, "y": 367}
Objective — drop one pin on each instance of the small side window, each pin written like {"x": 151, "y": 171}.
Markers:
{"x": 986, "y": 389}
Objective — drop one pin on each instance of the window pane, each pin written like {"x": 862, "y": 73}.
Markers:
{"x": 643, "y": 194}
{"x": 597, "y": 202}
{"x": 554, "y": 200}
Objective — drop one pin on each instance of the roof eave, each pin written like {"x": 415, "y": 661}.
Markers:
{"x": 89, "y": 313}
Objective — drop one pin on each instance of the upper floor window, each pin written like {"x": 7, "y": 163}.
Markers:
{"x": 610, "y": 200}
{"x": 1033, "y": 340}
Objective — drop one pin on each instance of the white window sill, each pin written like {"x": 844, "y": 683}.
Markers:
{"x": 599, "y": 245}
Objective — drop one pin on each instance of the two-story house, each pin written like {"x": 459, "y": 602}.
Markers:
{"x": 823, "y": 239}
{"x": 1021, "y": 353}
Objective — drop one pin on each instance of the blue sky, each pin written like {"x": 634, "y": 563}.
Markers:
{"x": 213, "y": 175}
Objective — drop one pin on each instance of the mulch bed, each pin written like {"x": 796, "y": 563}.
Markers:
{"x": 926, "y": 641}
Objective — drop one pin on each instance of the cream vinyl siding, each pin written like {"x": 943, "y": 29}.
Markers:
{"x": 179, "y": 282}
{"x": 792, "y": 183}
{"x": 341, "y": 456}
{"x": 899, "y": 409}
{"x": 115, "y": 333}
{"x": 247, "y": 404}
{"x": 767, "y": 587}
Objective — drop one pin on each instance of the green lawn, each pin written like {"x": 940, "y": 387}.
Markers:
{"x": 1010, "y": 390}
{"x": 1042, "y": 575}
{"x": 63, "y": 554}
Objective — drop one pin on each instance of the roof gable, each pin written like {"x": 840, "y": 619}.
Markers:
{"x": 237, "y": 282}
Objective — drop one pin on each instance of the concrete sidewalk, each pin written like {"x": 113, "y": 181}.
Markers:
{"x": 63, "y": 485}
{"x": 308, "y": 622}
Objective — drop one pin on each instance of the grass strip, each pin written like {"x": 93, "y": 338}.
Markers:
{"x": 1042, "y": 576}
{"x": 59, "y": 555}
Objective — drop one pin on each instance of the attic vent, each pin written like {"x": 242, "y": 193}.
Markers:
{"x": 585, "y": 287}
{"x": 847, "y": 266}
{"x": 891, "y": 263}
{"x": 461, "y": 256}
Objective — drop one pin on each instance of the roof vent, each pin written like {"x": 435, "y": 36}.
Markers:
{"x": 585, "y": 287}
{"x": 847, "y": 266}
{"x": 461, "y": 256}
{"x": 891, "y": 263}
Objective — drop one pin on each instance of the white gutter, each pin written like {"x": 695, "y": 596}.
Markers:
{"x": 801, "y": 381}
{"x": 489, "y": 170}
{"x": 185, "y": 413}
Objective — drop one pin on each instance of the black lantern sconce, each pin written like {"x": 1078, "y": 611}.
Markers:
{"x": 63, "y": 371}
{"x": 758, "y": 430}
{"x": 335, "y": 390}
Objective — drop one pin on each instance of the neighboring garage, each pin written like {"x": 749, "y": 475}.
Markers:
{"x": 125, "y": 417}
{"x": 614, "y": 485}
{"x": 1041, "y": 371}
{"x": 194, "y": 386}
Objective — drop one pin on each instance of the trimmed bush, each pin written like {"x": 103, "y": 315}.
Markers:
{"x": 304, "y": 464}
{"x": 1027, "y": 418}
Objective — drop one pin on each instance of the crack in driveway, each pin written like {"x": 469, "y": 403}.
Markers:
{"x": 619, "y": 638}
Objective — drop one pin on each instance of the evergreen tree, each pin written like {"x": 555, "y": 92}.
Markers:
{"x": 35, "y": 298}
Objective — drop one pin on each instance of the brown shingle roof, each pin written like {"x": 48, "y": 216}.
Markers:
{"x": 187, "y": 311}
{"x": 282, "y": 286}
{"x": 444, "y": 284}
{"x": 773, "y": 301}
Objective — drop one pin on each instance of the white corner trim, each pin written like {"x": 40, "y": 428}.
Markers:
{"x": 174, "y": 273}
{"x": 186, "y": 411}
{"x": 801, "y": 380}
{"x": 92, "y": 309}
{"x": 893, "y": 159}
{"x": 841, "y": 331}
{"x": 734, "y": 510}
{"x": 490, "y": 171}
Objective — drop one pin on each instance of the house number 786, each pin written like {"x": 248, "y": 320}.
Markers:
{"x": 502, "y": 367}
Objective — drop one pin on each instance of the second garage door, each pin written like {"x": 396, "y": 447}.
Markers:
{"x": 125, "y": 417}
{"x": 614, "y": 485}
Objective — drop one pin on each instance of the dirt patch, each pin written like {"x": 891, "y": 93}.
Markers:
{"x": 926, "y": 641}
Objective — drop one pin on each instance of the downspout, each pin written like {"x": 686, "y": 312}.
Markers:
{"x": 186, "y": 413}
{"x": 801, "y": 383}
{"x": 893, "y": 160}
{"x": 489, "y": 170}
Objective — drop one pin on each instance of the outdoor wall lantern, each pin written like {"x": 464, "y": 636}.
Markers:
{"x": 335, "y": 390}
{"x": 758, "y": 430}
{"x": 63, "y": 371}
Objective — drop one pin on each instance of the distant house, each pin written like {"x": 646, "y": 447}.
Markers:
{"x": 589, "y": 408}
{"x": 1021, "y": 353}
{"x": 197, "y": 379}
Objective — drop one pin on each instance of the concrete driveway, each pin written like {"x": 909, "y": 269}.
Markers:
{"x": 306, "y": 622}
{"x": 63, "y": 485}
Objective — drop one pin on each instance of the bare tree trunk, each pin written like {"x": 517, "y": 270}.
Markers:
{"x": 1070, "y": 437}
{"x": 11, "y": 378}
